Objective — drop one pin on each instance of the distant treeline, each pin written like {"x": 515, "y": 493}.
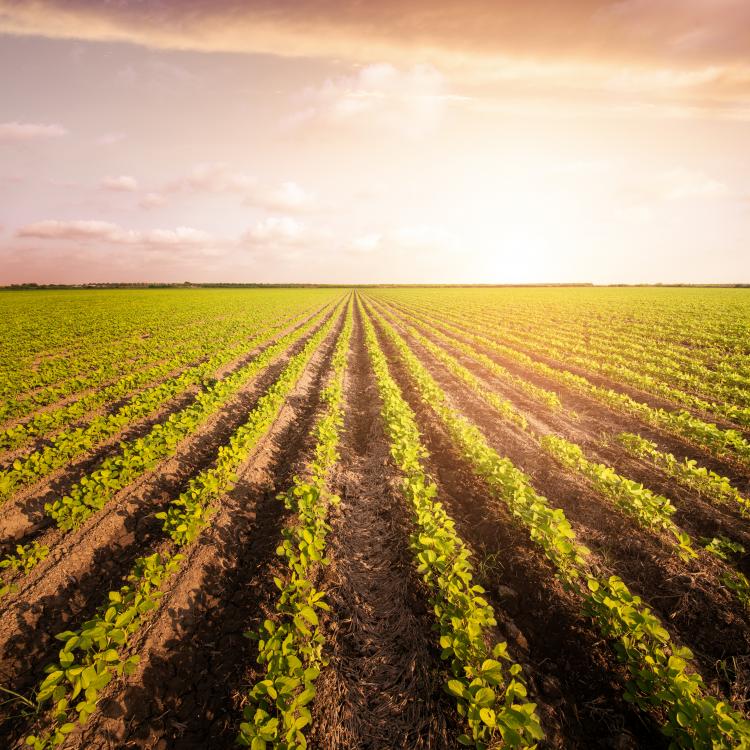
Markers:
{"x": 191, "y": 285}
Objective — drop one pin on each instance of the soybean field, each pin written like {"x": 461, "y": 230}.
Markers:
{"x": 375, "y": 518}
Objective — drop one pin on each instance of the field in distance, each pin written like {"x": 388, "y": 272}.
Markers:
{"x": 375, "y": 518}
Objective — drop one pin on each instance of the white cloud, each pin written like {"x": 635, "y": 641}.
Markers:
{"x": 105, "y": 231}
{"x": 122, "y": 183}
{"x": 418, "y": 240}
{"x": 282, "y": 229}
{"x": 27, "y": 131}
{"x": 411, "y": 102}
{"x": 213, "y": 177}
{"x": 289, "y": 196}
{"x": 683, "y": 183}
{"x": 218, "y": 177}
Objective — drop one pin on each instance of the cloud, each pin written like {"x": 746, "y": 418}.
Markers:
{"x": 212, "y": 177}
{"x": 381, "y": 96}
{"x": 114, "y": 234}
{"x": 276, "y": 229}
{"x": 421, "y": 240}
{"x": 367, "y": 243}
{"x": 287, "y": 240}
{"x": 675, "y": 185}
{"x": 689, "y": 54}
{"x": 123, "y": 184}
{"x": 287, "y": 197}
{"x": 219, "y": 177}
{"x": 624, "y": 29}
{"x": 27, "y": 131}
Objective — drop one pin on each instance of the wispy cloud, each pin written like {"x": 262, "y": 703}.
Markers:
{"x": 380, "y": 96}
{"x": 114, "y": 234}
{"x": 28, "y": 131}
{"x": 220, "y": 178}
{"x": 122, "y": 184}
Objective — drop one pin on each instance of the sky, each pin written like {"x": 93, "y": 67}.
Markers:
{"x": 480, "y": 141}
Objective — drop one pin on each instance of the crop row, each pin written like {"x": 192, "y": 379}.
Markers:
{"x": 143, "y": 454}
{"x": 291, "y": 645}
{"x": 93, "y": 655}
{"x": 662, "y": 677}
{"x": 650, "y": 510}
{"x": 488, "y": 685}
{"x": 725, "y": 444}
{"x": 687, "y": 471}
{"x": 199, "y": 358}
{"x": 618, "y": 349}
{"x": 621, "y": 369}
{"x": 78, "y": 441}
{"x": 99, "y": 341}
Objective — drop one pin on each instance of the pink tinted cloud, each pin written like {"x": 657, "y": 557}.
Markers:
{"x": 113, "y": 234}
{"x": 28, "y": 131}
{"x": 633, "y": 30}
{"x": 219, "y": 177}
{"x": 122, "y": 184}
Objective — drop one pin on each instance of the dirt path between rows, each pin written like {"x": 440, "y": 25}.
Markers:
{"x": 572, "y": 673}
{"x": 188, "y": 689}
{"x": 383, "y": 686}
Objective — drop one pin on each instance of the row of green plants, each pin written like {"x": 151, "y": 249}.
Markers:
{"x": 93, "y": 655}
{"x": 59, "y": 344}
{"x": 488, "y": 686}
{"x": 649, "y": 509}
{"x": 143, "y": 454}
{"x": 621, "y": 369}
{"x": 291, "y": 645}
{"x": 662, "y": 676}
{"x": 502, "y": 406}
{"x": 615, "y": 349}
{"x": 97, "y": 361}
{"x": 712, "y": 332}
{"x": 725, "y": 444}
{"x": 686, "y": 471}
{"x": 541, "y": 395}
{"x": 78, "y": 441}
{"x": 202, "y": 359}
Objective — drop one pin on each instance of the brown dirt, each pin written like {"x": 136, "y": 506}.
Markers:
{"x": 383, "y": 686}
